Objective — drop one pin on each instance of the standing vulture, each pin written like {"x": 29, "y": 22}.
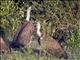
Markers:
{"x": 50, "y": 45}
{"x": 23, "y": 33}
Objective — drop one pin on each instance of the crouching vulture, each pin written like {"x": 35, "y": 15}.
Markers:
{"x": 50, "y": 45}
{"x": 23, "y": 33}
{"x": 4, "y": 47}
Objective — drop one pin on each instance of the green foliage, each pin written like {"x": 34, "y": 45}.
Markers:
{"x": 10, "y": 16}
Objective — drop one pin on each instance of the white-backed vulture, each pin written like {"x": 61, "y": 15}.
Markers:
{"x": 50, "y": 45}
{"x": 24, "y": 32}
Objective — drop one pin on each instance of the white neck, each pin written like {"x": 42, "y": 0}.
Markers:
{"x": 28, "y": 14}
{"x": 38, "y": 29}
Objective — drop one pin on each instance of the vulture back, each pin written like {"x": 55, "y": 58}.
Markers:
{"x": 26, "y": 33}
{"x": 4, "y": 47}
{"x": 23, "y": 34}
{"x": 51, "y": 46}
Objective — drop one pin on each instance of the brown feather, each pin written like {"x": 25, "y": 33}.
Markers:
{"x": 26, "y": 34}
{"x": 52, "y": 47}
{"x": 4, "y": 47}
{"x": 23, "y": 34}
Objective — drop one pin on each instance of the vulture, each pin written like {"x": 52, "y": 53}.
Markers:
{"x": 50, "y": 45}
{"x": 4, "y": 47}
{"x": 23, "y": 33}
